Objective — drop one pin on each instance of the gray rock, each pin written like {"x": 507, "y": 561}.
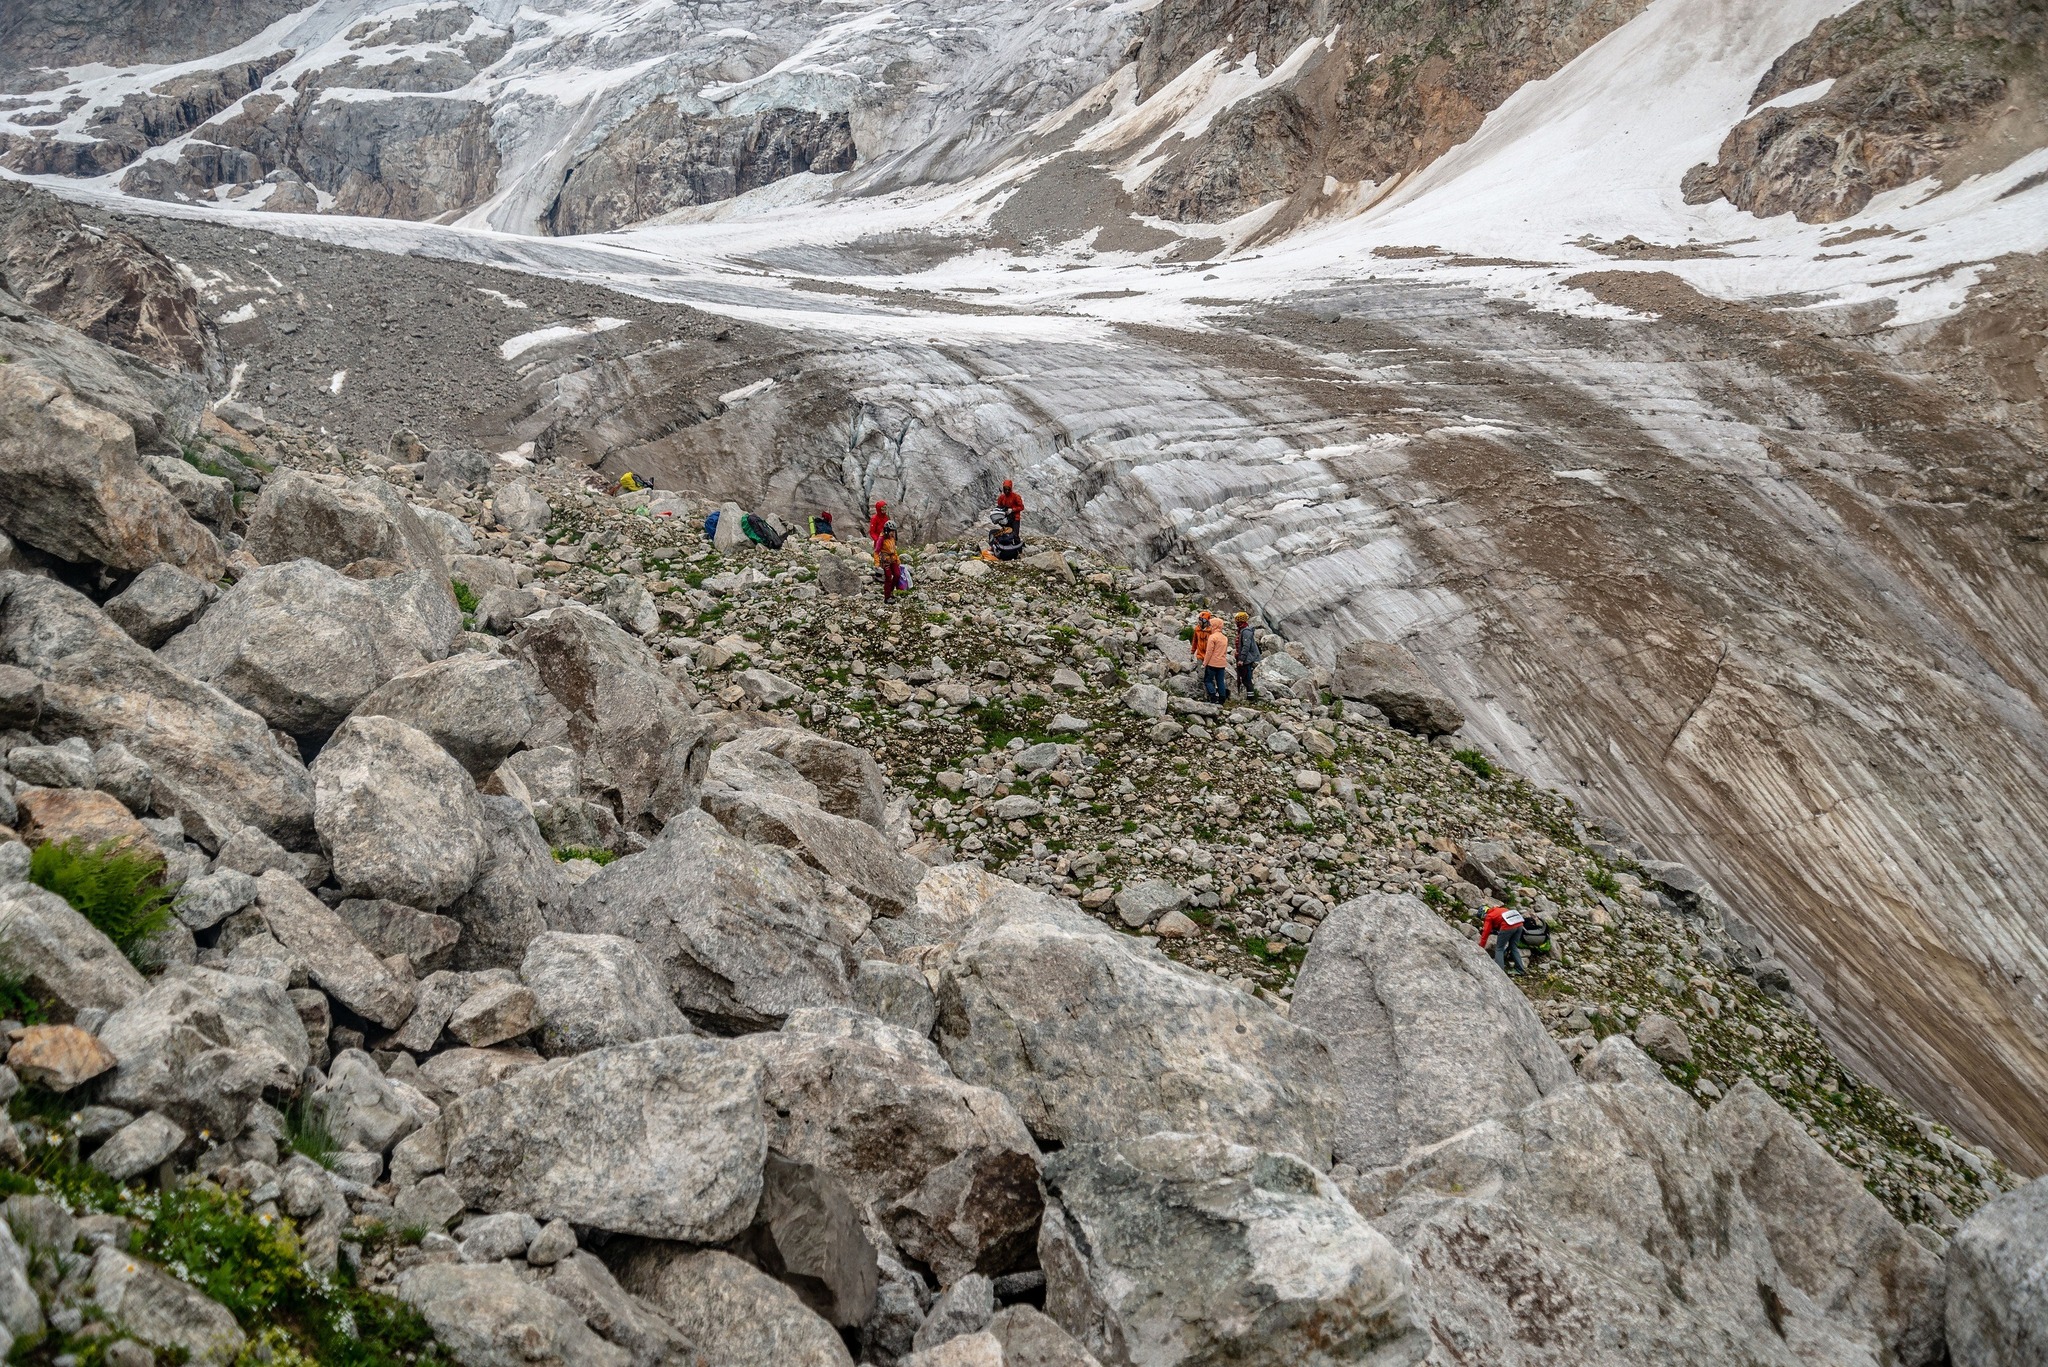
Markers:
{"x": 202, "y": 1047}
{"x": 340, "y": 963}
{"x": 457, "y": 1072}
{"x": 59, "y": 955}
{"x": 477, "y": 708}
{"x": 397, "y": 816}
{"x": 14, "y": 860}
{"x": 966, "y": 1308}
{"x": 617, "y": 1314}
{"x": 1401, "y": 997}
{"x": 1833, "y": 1239}
{"x": 728, "y": 537}
{"x": 482, "y": 573}
{"x": 435, "y": 1000}
{"x": 807, "y": 1234}
{"x": 490, "y": 1316}
{"x": 626, "y": 601}
{"x": 1663, "y": 1039}
{"x": 21, "y": 698}
{"x": 363, "y": 1107}
{"x": 900, "y": 1299}
{"x": 1997, "y": 1300}
{"x": 53, "y": 766}
{"x": 1183, "y": 1248}
{"x": 641, "y": 746}
{"x": 139, "y": 1147}
{"x": 751, "y": 769}
{"x": 736, "y": 1315}
{"x": 1389, "y": 678}
{"x": 849, "y": 781}
{"x": 301, "y": 644}
{"x": 743, "y": 934}
{"x": 520, "y": 510}
{"x": 1033, "y": 758}
{"x": 72, "y": 485}
{"x": 162, "y": 1311}
{"x": 662, "y": 1138}
{"x": 596, "y": 990}
{"x": 499, "y": 610}
{"x": 105, "y": 688}
{"x": 461, "y": 467}
{"x": 896, "y": 993}
{"x": 428, "y": 1204}
{"x": 209, "y": 498}
{"x": 946, "y": 1169}
{"x": 123, "y": 777}
{"x": 1093, "y": 1037}
{"x": 494, "y": 1014}
{"x": 853, "y": 852}
{"x": 1143, "y": 903}
{"x": 339, "y": 524}
{"x": 766, "y": 689}
{"x": 386, "y": 928}
{"x": 21, "y": 1314}
{"x": 1018, "y": 807}
{"x": 520, "y": 891}
{"x": 494, "y": 1238}
{"x": 554, "y": 1243}
{"x": 159, "y": 603}
{"x": 1030, "y": 1338}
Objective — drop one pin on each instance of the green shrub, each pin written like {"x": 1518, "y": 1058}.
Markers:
{"x": 20, "y": 1004}
{"x": 1476, "y": 762}
{"x": 118, "y": 889}
{"x": 306, "y": 1132}
{"x": 1603, "y": 882}
{"x": 465, "y": 597}
{"x": 568, "y": 852}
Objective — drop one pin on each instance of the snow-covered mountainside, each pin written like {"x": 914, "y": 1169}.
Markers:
{"x": 1668, "y": 376}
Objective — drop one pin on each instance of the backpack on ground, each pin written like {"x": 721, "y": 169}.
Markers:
{"x": 902, "y": 577}
{"x": 760, "y": 532}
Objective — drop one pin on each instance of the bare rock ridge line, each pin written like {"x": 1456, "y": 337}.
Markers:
{"x": 672, "y": 953}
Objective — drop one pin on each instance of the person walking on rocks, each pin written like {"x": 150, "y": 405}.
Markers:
{"x": 890, "y": 561}
{"x": 1504, "y": 926}
{"x": 1214, "y": 653}
{"x": 1247, "y": 649}
{"x": 877, "y": 525}
{"x": 1011, "y": 502}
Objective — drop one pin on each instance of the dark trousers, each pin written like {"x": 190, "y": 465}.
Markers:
{"x": 1215, "y": 683}
{"x": 1245, "y": 670}
{"x": 1506, "y": 944}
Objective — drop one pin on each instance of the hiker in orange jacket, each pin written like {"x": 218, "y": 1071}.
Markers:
{"x": 1215, "y": 656}
{"x": 1504, "y": 926}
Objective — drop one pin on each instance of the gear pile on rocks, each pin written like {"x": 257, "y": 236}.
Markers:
{"x": 590, "y": 944}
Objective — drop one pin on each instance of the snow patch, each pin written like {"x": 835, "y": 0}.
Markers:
{"x": 339, "y": 379}
{"x": 514, "y": 347}
{"x": 746, "y": 391}
{"x": 245, "y": 314}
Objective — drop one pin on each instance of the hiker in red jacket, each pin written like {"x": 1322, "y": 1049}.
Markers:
{"x": 1504, "y": 926}
{"x": 876, "y": 524}
{"x": 1012, "y": 502}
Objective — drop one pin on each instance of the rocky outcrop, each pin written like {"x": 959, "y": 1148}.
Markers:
{"x": 103, "y": 686}
{"x": 62, "y": 33}
{"x": 201, "y": 1046}
{"x": 406, "y": 156}
{"x": 666, "y": 157}
{"x": 596, "y": 990}
{"x": 852, "y": 852}
{"x": 477, "y": 708}
{"x": 398, "y": 817}
{"x": 735, "y": 1314}
{"x": 60, "y": 956}
{"x": 1427, "y": 1037}
{"x": 71, "y": 484}
{"x": 1094, "y": 1039}
{"x": 491, "y": 1315}
{"x": 1997, "y": 1307}
{"x": 743, "y": 935}
{"x": 302, "y": 644}
{"x": 1388, "y": 677}
{"x": 358, "y": 522}
{"x": 1179, "y": 1248}
{"x": 1942, "y": 89}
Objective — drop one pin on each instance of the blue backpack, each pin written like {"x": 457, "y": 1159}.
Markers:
{"x": 711, "y": 525}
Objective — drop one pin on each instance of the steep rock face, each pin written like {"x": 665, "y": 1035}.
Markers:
{"x": 666, "y": 157}
{"x": 1914, "y": 88}
{"x": 56, "y": 33}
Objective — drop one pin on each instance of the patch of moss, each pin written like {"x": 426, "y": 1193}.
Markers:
{"x": 568, "y": 852}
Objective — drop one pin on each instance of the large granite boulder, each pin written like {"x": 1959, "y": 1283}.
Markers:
{"x": 853, "y": 852}
{"x": 476, "y": 707}
{"x": 619, "y": 1315}
{"x": 160, "y": 1310}
{"x": 490, "y": 1316}
{"x": 520, "y": 891}
{"x": 100, "y": 685}
{"x": 71, "y": 484}
{"x": 1095, "y": 1037}
{"x": 301, "y": 643}
{"x": 1601, "y": 1224}
{"x": 735, "y": 1314}
{"x": 339, "y": 523}
{"x": 642, "y": 749}
{"x": 1179, "y": 1248}
{"x": 159, "y": 603}
{"x": 848, "y": 780}
{"x": 1832, "y": 1239}
{"x": 946, "y": 1169}
{"x": 61, "y": 957}
{"x": 363, "y": 1107}
{"x": 397, "y": 816}
{"x": 1997, "y": 1305}
{"x": 201, "y": 1046}
{"x": 1427, "y": 1035}
{"x": 335, "y": 957}
{"x": 663, "y": 1138}
{"x": 743, "y": 934}
{"x": 955, "y": 898}
{"x": 1387, "y": 677}
{"x": 595, "y": 990}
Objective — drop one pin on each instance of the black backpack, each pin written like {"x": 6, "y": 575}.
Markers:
{"x": 757, "y": 529}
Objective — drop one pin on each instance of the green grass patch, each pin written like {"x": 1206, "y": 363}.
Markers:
{"x": 1603, "y": 882}
{"x": 196, "y": 457}
{"x": 1438, "y": 896}
{"x": 18, "y": 1003}
{"x": 568, "y": 852}
{"x": 465, "y": 596}
{"x": 306, "y": 1132}
{"x": 119, "y": 890}
{"x": 1476, "y": 762}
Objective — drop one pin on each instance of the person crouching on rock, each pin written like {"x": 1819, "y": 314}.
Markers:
{"x": 1246, "y": 645}
{"x": 821, "y": 526}
{"x": 1504, "y": 926}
